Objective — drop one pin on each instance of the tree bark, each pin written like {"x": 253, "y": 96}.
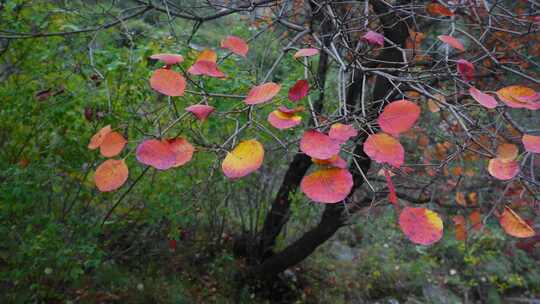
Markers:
{"x": 280, "y": 210}
{"x": 333, "y": 218}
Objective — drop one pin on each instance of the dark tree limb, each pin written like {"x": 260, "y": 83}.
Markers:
{"x": 280, "y": 210}
{"x": 333, "y": 218}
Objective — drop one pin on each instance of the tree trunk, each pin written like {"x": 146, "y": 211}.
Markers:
{"x": 332, "y": 218}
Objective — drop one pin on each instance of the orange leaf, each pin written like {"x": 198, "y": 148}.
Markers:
{"x": 514, "y": 225}
{"x": 453, "y": 42}
{"x": 306, "y": 52}
{"x": 112, "y": 144}
{"x": 476, "y": 220}
{"x": 503, "y": 170}
{"x": 98, "y": 138}
{"x": 433, "y": 106}
{"x": 531, "y": 143}
{"x": 460, "y": 199}
{"x": 383, "y": 148}
{"x": 398, "y": 116}
{"x": 327, "y": 185}
{"x": 207, "y": 55}
{"x": 517, "y": 96}
{"x": 421, "y": 225}
{"x": 460, "y": 227}
{"x": 262, "y": 93}
{"x": 236, "y": 45}
{"x": 245, "y": 158}
{"x": 437, "y": 9}
{"x": 168, "y": 82}
{"x": 507, "y": 152}
{"x": 111, "y": 175}
{"x": 318, "y": 145}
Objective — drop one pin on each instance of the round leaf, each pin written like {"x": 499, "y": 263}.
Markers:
{"x": 327, "y": 185}
{"x": 111, "y": 175}
{"x": 398, "y": 116}
{"x": 245, "y": 158}
{"x": 420, "y": 225}
{"x": 168, "y": 82}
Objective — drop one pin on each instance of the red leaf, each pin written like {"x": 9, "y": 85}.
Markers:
{"x": 392, "y": 196}
{"x": 438, "y": 9}
{"x": 299, "y": 90}
{"x": 465, "y": 69}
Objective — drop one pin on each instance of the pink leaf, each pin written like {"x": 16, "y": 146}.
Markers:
{"x": 482, "y": 98}
{"x": 383, "y": 148}
{"x": 328, "y": 186}
{"x": 318, "y": 145}
{"x": 200, "y": 111}
{"x": 168, "y": 59}
{"x": 341, "y": 132}
{"x": 306, "y": 52}
{"x": 262, "y": 93}
{"x": 531, "y": 143}
{"x": 453, "y": 42}
{"x": 374, "y": 38}
{"x": 205, "y": 67}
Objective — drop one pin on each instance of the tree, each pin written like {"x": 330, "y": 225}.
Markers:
{"x": 461, "y": 74}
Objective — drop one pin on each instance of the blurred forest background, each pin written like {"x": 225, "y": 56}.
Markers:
{"x": 169, "y": 239}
